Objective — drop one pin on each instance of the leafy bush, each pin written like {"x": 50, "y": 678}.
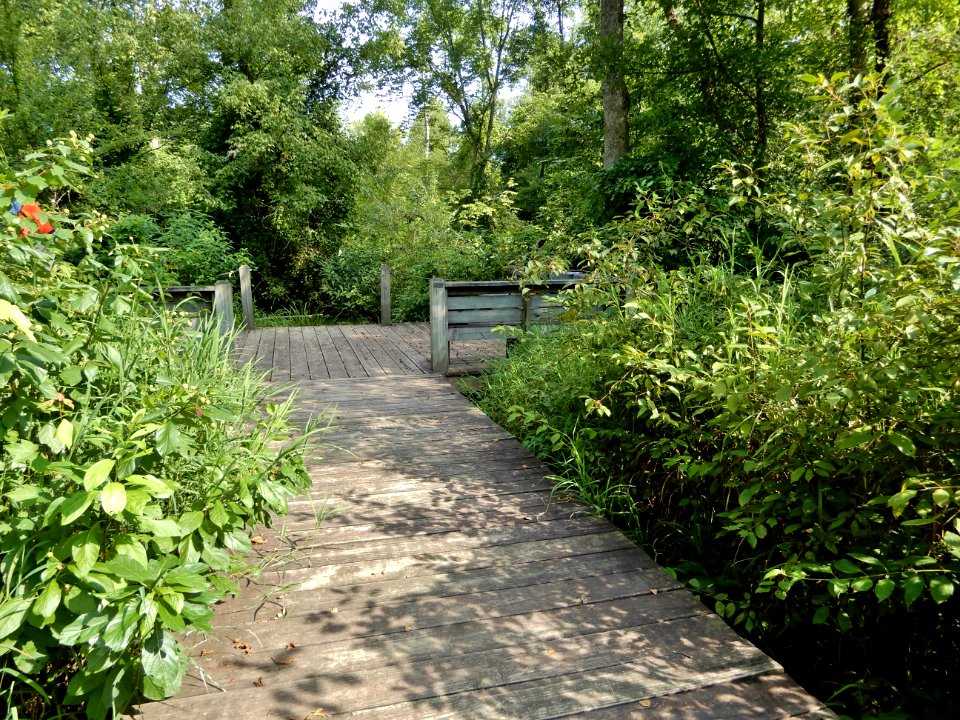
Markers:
{"x": 133, "y": 459}
{"x": 197, "y": 252}
{"x": 790, "y": 436}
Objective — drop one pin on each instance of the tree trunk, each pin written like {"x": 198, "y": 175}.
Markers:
{"x": 858, "y": 24}
{"x": 760, "y": 100}
{"x": 616, "y": 99}
{"x": 881, "y": 32}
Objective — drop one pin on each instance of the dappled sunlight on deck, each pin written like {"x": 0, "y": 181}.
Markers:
{"x": 430, "y": 574}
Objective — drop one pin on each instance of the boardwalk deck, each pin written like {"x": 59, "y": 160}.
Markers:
{"x": 429, "y": 574}
{"x": 358, "y": 351}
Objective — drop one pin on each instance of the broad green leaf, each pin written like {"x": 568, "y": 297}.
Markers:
{"x": 119, "y": 631}
{"x": 131, "y": 547}
{"x": 821, "y": 615}
{"x": 127, "y": 568}
{"x": 12, "y": 613}
{"x": 850, "y": 440}
{"x": 900, "y": 501}
{"x": 11, "y": 313}
{"x": 48, "y": 437}
{"x": 941, "y": 588}
{"x": 190, "y": 521}
{"x": 942, "y": 497}
{"x": 23, "y": 452}
{"x": 218, "y": 515}
{"x": 48, "y": 602}
{"x": 884, "y": 588}
{"x": 65, "y": 433}
{"x": 903, "y": 443}
{"x": 160, "y": 528}
{"x": 747, "y": 494}
{"x": 861, "y": 584}
{"x": 113, "y": 498}
{"x": 952, "y": 541}
{"x": 97, "y": 474}
{"x": 23, "y": 494}
{"x": 167, "y": 438}
{"x": 163, "y": 665}
{"x": 85, "y": 549}
{"x": 845, "y": 566}
{"x": 75, "y": 505}
{"x": 185, "y": 580}
{"x": 155, "y": 486}
{"x": 912, "y": 589}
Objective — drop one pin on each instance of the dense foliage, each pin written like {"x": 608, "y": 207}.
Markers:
{"x": 134, "y": 458}
{"x": 760, "y": 382}
{"x": 784, "y": 436}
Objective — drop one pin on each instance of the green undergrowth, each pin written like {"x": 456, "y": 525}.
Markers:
{"x": 784, "y": 438}
{"x": 134, "y": 460}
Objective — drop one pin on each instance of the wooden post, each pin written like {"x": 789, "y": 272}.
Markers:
{"x": 223, "y": 305}
{"x": 246, "y": 298}
{"x": 439, "y": 338}
{"x": 385, "y": 318}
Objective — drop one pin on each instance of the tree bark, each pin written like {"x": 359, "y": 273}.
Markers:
{"x": 616, "y": 99}
{"x": 760, "y": 100}
{"x": 880, "y": 16}
{"x": 858, "y": 32}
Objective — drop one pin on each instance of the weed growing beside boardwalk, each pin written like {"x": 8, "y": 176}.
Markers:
{"x": 784, "y": 436}
{"x": 134, "y": 458}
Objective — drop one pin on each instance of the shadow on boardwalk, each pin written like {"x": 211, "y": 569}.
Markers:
{"x": 429, "y": 574}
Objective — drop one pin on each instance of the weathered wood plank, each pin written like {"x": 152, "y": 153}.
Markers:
{"x": 333, "y": 574}
{"x": 348, "y": 356}
{"x": 328, "y": 351}
{"x": 266, "y": 351}
{"x": 369, "y": 337}
{"x": 411, "y": 345}
{"x": 299, "y": 368}
{"x": 742, "y": 699}
{"x": 281, "y": 356}
{"x": 479, "y": 302}
{"x": 489, "y": 317}
{"x": 449, "y": 582}
{"x": 522, "y": 578}
{"x": 525, "y": 654}
{"x": 313, "y": 356}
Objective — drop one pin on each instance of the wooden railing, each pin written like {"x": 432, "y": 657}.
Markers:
{"x": 471, "y": 310}
{"x": 216, "y": 299}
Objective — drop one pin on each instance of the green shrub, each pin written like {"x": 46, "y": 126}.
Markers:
{"x": 790, "y": 436}
{"x": 133, "y": 460}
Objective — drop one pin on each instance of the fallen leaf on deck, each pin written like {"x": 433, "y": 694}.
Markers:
{"x": 258, "y": 682}
{"x": 284, "y": 661}
{"x": 291, "y": 646}
{"x": 653, "y": 591}
{"x": 318, "y": 713}
{"x": 646, "y": 703}
{"x": 240, "y": 645}
{"x": 258, "y": 540}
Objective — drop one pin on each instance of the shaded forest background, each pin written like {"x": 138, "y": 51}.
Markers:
{"x": 765, "y": 193}
{"x": 217, "y": 123}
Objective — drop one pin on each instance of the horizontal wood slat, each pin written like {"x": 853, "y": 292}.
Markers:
{"x": 430, "y": 573}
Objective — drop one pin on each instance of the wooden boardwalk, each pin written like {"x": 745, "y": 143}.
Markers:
{"x": 355, "y": 351}
{"x": 429, "y": 574}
